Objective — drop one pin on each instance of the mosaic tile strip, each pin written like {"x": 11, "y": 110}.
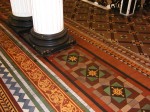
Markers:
{"x": 6, "y": 103}
{"x": 35, "y": 98}
{"x": 104, "y": 46}
{"x": 51, "y": 72}
{"x": 108, "y": 86}
{"x": 41, "y": 81}
{"x": 140, "y": 64}
{"x": 107, "y": 30}
{"x": 20, "y": 96}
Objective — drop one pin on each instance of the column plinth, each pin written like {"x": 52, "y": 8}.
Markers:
{"x": 21, "y": 18}
{"x": 49, "y": 40}
{"x": 46, "y": 45}
{"x": 22, "y": 22}
{"x": 48, "y": 34}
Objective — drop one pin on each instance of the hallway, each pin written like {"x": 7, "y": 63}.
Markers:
{"x": 113, "y": 75}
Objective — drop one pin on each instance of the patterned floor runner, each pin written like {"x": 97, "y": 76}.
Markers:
{"x": 45, "y": 85}
{"x": 107, "y": 88}
{"x": 121, "y": 37}
{"x": 131, "y": 32}
{"x": 104, "y": 85}
{"x": 7, "y": 101}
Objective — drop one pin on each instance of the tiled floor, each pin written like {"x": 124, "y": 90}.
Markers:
{"x": 101, "y": 77}
{"x": 23, "y": 72}
{"x": 131, "y": 32}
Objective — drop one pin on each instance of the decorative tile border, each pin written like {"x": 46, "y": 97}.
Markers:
{"x": 109, "y": 86}
{"x": 7, "y": 102}
{"x": 43, "y": 90}
{"x": 20, "y": 96}
{"x": 118, "y": 52}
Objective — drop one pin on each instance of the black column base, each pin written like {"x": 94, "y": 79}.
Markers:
{"x": 46, "y": 45}
{"x": 20, "y": 24}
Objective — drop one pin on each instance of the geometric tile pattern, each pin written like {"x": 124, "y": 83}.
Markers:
{"x": 112, "y": 89}
{"x": 138, "y": 63}
{"x": 72, "y": 59}
{"x": 122, "y": 95}
{"x": 6, "y": 103}
{"x": 143, "y": 106}
{"x": 92, "y": 73}
{"x": 118, "y": 93}
{"x": 46, "y": 86}
{"x": 129, "y": 36}
{"x": 104, "y": 84}
{"x": 111, "y": 28}
{"x": 20, "y": 96}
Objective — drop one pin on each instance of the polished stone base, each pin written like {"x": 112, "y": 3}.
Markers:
{"x": 20, "y": 24}
{"x": 44, "y": 44}
{"x": 49, "y": 40}
{"x": 50, "y": 46}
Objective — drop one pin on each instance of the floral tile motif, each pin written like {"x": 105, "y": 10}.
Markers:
{"x": 83, "y": 67}
{"x": 72, "y": 59}
{"x": 112, "y": 89}
{"x": 121, "y": 94}
{"x": 92, "y": 73}
{"x": 117, "y": 92}
{"x": 47, "y": 87}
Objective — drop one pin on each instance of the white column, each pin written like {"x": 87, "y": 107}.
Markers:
{"x": 47, "y": 16}
{"x": 21, "y": 8}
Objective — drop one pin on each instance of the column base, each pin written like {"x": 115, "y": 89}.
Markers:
{"x": 46, "y": 45}
{"x": 20, "y": 24}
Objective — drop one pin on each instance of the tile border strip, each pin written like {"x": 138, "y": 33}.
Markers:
{"x": 50, "y": 71}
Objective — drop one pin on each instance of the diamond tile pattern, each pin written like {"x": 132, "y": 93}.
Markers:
{"x": 108, "y": 86}
{"x": 122, "y": 30}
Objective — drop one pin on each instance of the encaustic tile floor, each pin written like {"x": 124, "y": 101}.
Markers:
{"x": 94, "y": 75}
